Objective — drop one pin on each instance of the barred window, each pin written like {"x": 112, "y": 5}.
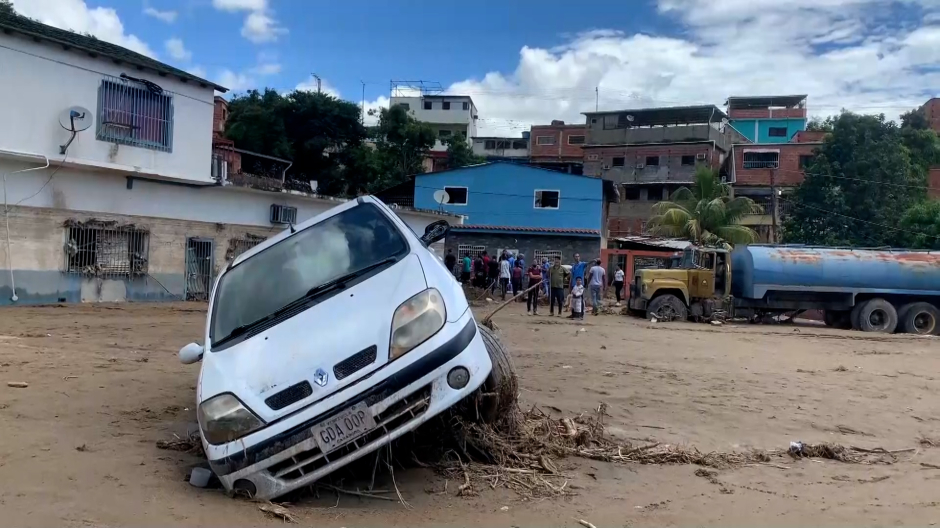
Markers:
{"x": 106, "y": 251}
{"x": 135, "y": 115}
{"x": 467, "y": 250}
{"x": 761, "y": 160}
{"x": 549, "y": 254}
{"x": 237, "y": 246}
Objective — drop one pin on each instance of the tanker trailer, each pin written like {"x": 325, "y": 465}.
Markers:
{"x": 866, "y": 289}
{"x": 870, "y": 290}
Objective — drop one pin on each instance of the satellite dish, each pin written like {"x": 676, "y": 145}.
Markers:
{"x": 724, "y": 120}
{"x": 76, "y": 119}
{"x": 441, "y": 197}
{"x": 630, "y": 118}
{"x": 313, "y": 186}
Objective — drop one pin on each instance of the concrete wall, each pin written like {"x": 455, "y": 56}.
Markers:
{"x": 670, "y": 168}
{"x": 37, "y": 248}
{"x": 588, "y": 248}
{"x": 479, "y": 147}
{"x": 42, "y": 80}
{"x": 97, "y": 192}
{"x": 437, "y": 114}
{"x": 597, "y": 135}
{"x": 504, "y": 194}
{"x": 758, "y": 130}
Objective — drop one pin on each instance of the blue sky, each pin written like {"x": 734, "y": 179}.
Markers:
{"x": 528, "y": 62}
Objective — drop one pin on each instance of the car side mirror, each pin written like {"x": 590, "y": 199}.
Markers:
{"x": 191, "y": 353}
{"x": 435, "y": 231}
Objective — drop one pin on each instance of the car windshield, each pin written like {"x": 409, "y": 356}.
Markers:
{"x": 350, "y": 241}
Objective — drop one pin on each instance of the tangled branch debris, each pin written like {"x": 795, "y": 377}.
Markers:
{"x": 525, "y": 455}
{"x": 192, "y": 444}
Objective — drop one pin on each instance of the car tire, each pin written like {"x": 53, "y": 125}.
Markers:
{"x": 920, "y": 318}
{"x": 667, "y": 307}
{"x": 878, "y": 315}
{"x": 499, "y": 394}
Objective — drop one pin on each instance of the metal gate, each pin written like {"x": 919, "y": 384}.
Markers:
{"x": 199, "y": 268}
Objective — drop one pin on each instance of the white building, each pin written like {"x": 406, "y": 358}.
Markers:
{"x": 448, "y": 115}
{"x": 502, "y": 148}
{"x": 127, "y": 207}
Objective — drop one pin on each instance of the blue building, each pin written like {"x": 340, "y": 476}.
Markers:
{"x": 524, "y": 209}
{"x": 768, "y": 119}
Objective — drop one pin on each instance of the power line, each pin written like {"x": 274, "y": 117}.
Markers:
{"x": 859, "y": 219}
{"x": 860, "y": 179}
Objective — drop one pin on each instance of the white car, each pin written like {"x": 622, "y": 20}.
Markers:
{"x": 327, "y": 342}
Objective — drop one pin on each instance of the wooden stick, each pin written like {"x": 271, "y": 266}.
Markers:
{"x": 586, "y": 524}
{"x": 359, "y": 493}
{"x": 486, "y": 320}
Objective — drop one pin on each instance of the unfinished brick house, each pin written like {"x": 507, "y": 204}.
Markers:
{"x": 648, "y": 153}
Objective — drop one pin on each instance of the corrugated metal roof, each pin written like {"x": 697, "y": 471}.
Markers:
{"x": 526, "y": 229}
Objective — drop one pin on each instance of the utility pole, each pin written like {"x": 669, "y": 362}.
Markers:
{"x": 363, "y": 117}
{"x": 317, "y": 77}
{"x": 773, "y": 206}
{"x": 597, "y": 95}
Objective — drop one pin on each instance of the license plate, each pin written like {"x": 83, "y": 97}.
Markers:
{"x": 343, "y": 428}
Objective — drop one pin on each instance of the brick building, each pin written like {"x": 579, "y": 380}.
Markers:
{"x": 557, "y": 146}
{"x": 768, "y": 118}
{"x": 757, "y": 169}
{"x": 931, "y": 111}
{"x": 648, "y": 153}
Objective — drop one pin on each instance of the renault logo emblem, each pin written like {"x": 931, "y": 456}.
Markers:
{"x": 320, "y": 377}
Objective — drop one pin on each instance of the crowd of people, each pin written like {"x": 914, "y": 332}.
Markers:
{"x": 564, "y": 287}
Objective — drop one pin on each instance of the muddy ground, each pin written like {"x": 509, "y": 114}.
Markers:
{"x": 77, "y": 446}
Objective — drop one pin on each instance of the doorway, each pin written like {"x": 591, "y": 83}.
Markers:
{"x": 198, "y": 268}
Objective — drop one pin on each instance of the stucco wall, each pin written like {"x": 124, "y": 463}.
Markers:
{"x": 42, "y": 80}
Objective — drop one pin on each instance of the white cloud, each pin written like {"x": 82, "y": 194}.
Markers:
{"x": 240, "y": 5}
{"x": 380, "y": 103}
{"x": 310, "y": 85}
{"x": 102, "y": 22}
{"x": 235, "y": 82}
{"x": 198, "y": 71}
{"x": 177, "y": 49}
{"x": 168, "y": 16}
{"x": 270, "y": 68}
{"x": 259, "y": 27}
{"x": 843, "y": 53}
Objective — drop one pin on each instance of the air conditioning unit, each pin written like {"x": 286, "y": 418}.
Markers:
{"x": 592, "y": 157}
{"x": 700, "y": 156}
{"x": 283, "y": 214}
{"x": 606, "y": 167}
{"x": 640, "y": 166}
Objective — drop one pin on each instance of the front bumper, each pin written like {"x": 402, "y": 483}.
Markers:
{"x": 400, "y": 403}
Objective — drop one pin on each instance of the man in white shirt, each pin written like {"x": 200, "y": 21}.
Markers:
{"x": 505, "y": 273}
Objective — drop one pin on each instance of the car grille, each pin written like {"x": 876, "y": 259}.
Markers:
{"x": 397, "y": 415}
{"x": 290, "y": 395}
{"x": 354, "y": 363}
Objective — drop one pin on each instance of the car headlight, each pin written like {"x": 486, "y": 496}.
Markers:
{"x": 415, "y": 321}
{"x": 223, "y": 418}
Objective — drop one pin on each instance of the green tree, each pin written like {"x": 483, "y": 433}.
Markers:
{"x": 921, "y": 225}
{"x": 401, "y": 144}
{"x": 706, "y": 214}
{"x": 817, "y": 124}
{"x": 459, "y": 153}
{"x": 861, "y": 180}
{"x": 6, "y": 7}
{"x": 318, "y": 132}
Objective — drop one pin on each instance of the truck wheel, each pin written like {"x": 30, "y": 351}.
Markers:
{"x": 667, "y": 307}
{"x": 853, "y": 315}
{"x": 878, "y": 315}
{"x": 498, "y": 395}
{"x": 919, "y": 318}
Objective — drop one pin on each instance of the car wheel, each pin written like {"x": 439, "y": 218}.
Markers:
{"x": 878, "y": 315}
{"x": 499, "y": 394}
{"x": 919, "y": 318}
{"x": 667, "y": 307}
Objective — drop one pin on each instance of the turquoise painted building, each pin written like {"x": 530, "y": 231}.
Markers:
{"x": 510, "y": 195}
{"x": 768, "y": 119}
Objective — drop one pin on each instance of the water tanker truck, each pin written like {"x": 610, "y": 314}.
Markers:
{"x": 865, "y": 289}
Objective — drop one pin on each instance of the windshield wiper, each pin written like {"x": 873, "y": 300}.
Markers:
{"x": 312, "y": 293}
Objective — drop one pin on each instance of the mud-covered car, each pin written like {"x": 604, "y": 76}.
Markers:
{"x": 327, "y": 342}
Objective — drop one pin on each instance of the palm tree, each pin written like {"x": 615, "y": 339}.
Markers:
{"x": 706, "y": 214}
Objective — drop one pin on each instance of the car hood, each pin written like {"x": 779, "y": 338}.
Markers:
{"x": 259, "y": 369}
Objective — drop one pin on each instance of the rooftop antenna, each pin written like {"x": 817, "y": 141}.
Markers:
{"x": 75, "y": 120}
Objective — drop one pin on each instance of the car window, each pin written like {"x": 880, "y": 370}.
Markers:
{"x": 286, "y": 271}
